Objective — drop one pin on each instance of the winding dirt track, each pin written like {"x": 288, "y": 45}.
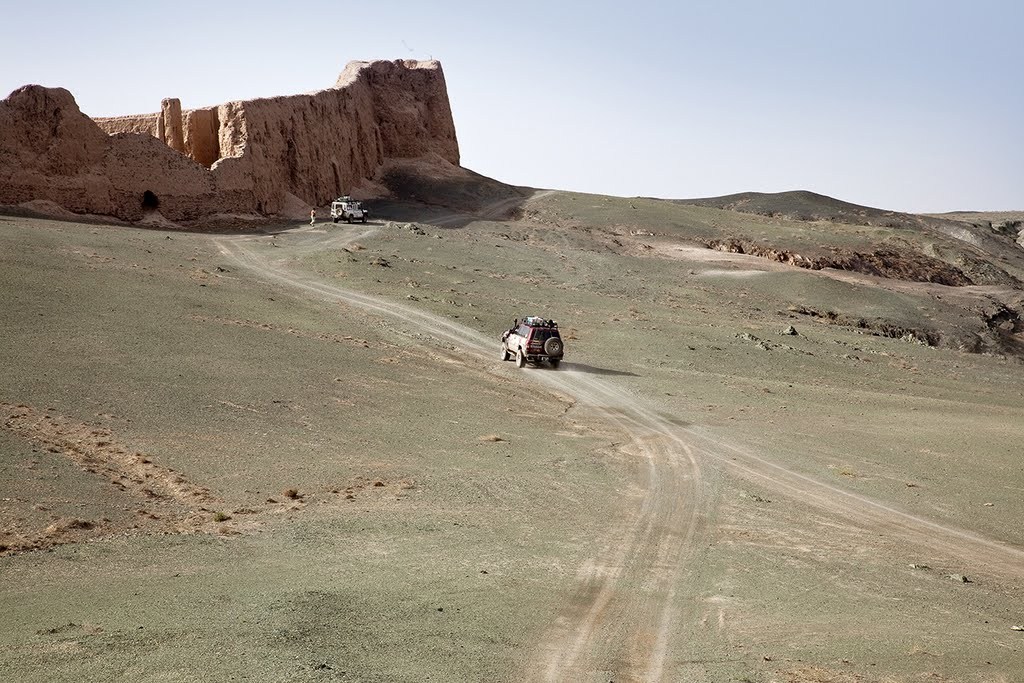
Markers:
{"x": 626, "y": 606}
{"x": 646, "y": 553}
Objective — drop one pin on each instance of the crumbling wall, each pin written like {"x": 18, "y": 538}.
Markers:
{"x": 239, "y": 157}
{"x": 313, "y": 146}
{"x": 169, "y": 127}
{"x": 50, "y": 150}
{"x": 202, "y": 131}
{"x": 411, "y": 102}
{"x": 139, "y": 123}
{"x": 321, "y": 145}
{"x": 198, "y": 128}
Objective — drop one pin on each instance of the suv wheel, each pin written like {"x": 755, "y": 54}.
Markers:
{"x": 504, "y": 352}
{"x": 520, "y": 358}
{"x": 553, "y": 346}
{"x": 349, "y": 219}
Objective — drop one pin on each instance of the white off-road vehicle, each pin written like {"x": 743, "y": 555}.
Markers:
{"x": 348, "y": 209}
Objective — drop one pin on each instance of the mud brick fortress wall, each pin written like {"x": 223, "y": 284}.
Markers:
{"x": 239, "y": 157}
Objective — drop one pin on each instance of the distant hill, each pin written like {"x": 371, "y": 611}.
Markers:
{"x": 1003, "y": 222}
{"x": 804, "y": 205}
{"x": 996, "y": 242}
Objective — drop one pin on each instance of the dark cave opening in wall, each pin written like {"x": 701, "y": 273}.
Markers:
{"x": 150, "y": 201}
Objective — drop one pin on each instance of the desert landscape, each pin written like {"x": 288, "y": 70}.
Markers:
{"x": 783, "y": 445}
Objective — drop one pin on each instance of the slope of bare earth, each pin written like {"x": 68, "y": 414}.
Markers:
{"x": 971, "y": 250}
{"x": 345, "y": 483}
{"x": 980, "y": 216}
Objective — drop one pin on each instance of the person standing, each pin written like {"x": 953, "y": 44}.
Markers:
{"x": 312, "y": 216}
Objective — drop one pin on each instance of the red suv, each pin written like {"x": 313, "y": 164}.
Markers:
{"x": 533, "y": 339}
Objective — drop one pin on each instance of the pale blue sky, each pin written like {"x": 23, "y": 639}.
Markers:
{"x": 908, "y": 105}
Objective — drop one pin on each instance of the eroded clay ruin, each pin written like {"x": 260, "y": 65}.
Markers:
{"x": 263, "y": 157}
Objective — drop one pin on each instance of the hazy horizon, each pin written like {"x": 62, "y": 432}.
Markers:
{"x": 910, "y": 106}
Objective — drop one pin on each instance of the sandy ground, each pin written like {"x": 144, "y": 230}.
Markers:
{"x": 367, "y": 493}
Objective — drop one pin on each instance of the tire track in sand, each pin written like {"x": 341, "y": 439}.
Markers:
{"x": 623, "y": 614}
{"x": 624, "y": 608}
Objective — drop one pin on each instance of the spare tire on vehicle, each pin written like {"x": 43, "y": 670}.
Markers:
{"x": 553, "y": 346}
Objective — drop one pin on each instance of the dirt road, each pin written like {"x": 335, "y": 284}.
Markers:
{"x": 628, "y": 600}
{"x": 630, "y": 586}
